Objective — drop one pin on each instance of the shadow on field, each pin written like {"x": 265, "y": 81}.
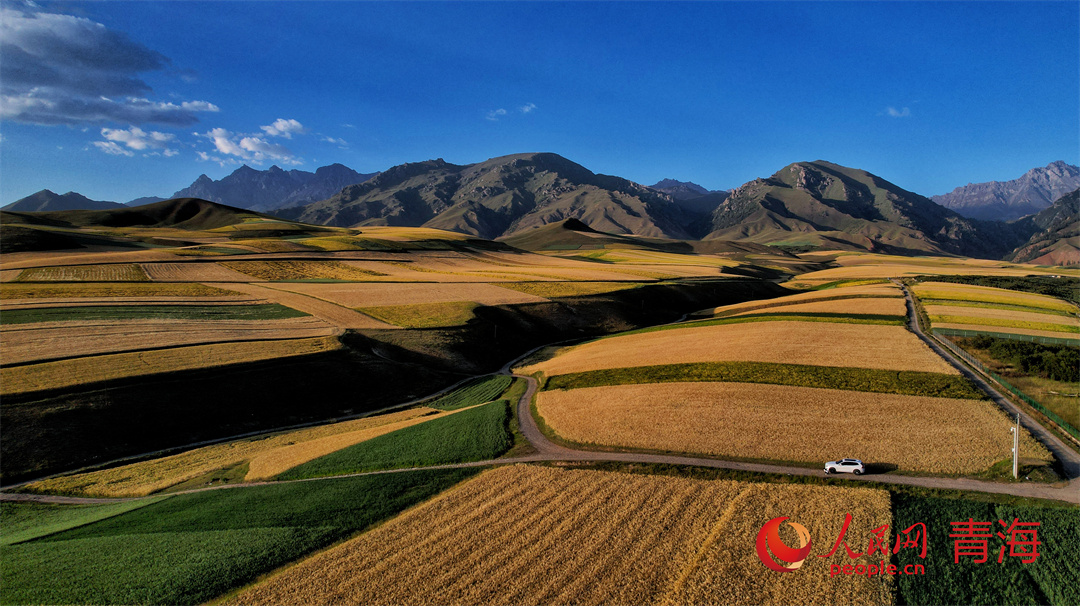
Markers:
{"x": 876, "y": 468}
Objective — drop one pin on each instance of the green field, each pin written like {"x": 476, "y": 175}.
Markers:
{"x": 479, "y": 391}
{"x": 26, "y": 521}
{"x": 1062, "y": 288}
{"x": 1004, "y": 323}
{"x": 910, "y": 383}
{"x": 263, "y": 311}
{"x": 476, "y": 434}
{"x": 192, "y": 548}
{"x": 1052, "y": 578}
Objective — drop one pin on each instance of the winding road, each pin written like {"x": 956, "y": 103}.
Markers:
{"x": 546, "y": 450}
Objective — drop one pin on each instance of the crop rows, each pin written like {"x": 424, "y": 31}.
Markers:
{"x": 475, "y": 392}
{"x": 861, "y": 306}
{"x": 816, "y": 343}
{"x": 875, "y": 290}
{"x": 961, "y": 292}
{"x": 1017, "y": 319}
{"x": 530, "y": 535}
{"x": 423, "y": 315}
{"x": 85, "y": 273}
{"x": 267, "y": 457}
{"x": 192, "y": 272}
{"x": 264, "y": 311}
{"x": 776, "y": 422}
{"x": 300, "y": 270}
{"x": 119, "y": 289}
{"x": 94, "y": 369}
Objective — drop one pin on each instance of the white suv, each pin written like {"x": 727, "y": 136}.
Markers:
{"x": 854, "y": 466}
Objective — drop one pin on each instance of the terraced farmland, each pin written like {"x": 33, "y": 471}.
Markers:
{"x": 265, "y": 457}
{"x": 875, "y": 290}
{"x": 542, "y": 535}
{"x": 930, "y": 292}
{"x": 271, "y": 271}
{"x": 193, "y": 272}
{"x": 812, "y": 343}
{"x": 786, "y": 423}
{"x": 874, "y": 306}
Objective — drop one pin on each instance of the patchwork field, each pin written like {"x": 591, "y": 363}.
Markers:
{"x": 877, "y": 306}
{"x": 66, "y": 291}
{"x": 193, "y": 272}
{"x": 85, "y": 273}
{"x": 875, "y": 290}
{"x": 865, "y": 266}
{"x": 265, "y": 456}
{"x": 814, "y": 343}
{"x": 24, "y": 343}
{"x": 778, "y": 422}
{"x": 424, "y": 315}
{"x": 937, "y": 291}
{"x": 1001, "y": 317}
{"x": 522, "y": 534}
{"x": 300, "y": 270}
{"x": 95, "y": 369}
{"x": 385, "y": 294}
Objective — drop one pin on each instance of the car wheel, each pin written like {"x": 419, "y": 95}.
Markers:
{"x": 830, "y": 470}
{"x": 858, "y": 472}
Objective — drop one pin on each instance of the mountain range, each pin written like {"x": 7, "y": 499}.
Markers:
{"x": 274, "y": 188}
{"x": 46, "y": 200}
{"x": 1058, "y": 240}
{"x": 1009, "y": 200}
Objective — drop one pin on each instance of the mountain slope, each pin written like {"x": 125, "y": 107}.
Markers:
{"x": 45, "y": 201}
{"x": 182, "y": 213}
{"x": 825, "y": 204}
{"x": 272, "y": 188}
{"x": 1058, "y": 242}
{"x": 499, "y": 197}
{"x": 1005, "y": 201}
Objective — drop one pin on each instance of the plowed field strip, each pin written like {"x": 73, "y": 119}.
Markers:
{"x": 53, "y": 340}
{"x": 92, "y": 369}
{"x": 193, "y": 272}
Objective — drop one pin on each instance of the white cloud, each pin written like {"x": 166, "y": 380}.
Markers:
{"x": 169, "y": 153}
{"x": 284, "y": 128}
{"x": 62, "y": 69}
{"x": 138, "y": 139}
{"x": 527, "y": 108}
{"x": 338, "y": 142}
{"x": 496, "y": 114}
{"x": 898, "y": 113}
{"x": 110, "y": 147}
{"x": 249, "y": 148}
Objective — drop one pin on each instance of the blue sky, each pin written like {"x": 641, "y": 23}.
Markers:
{"x": 118, "y": 100}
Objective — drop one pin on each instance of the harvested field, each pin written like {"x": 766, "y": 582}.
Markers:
{"x": 982, "y": 328}
{"x": 883, "y": 266}
{"x": 552, "y": 290}
{"x": 300, "y": 270}
{"x": 990, "y": 313}
{"x": 23, "y": 343}
{"x": 85, "y": 273}
{"x": 964, "y": 292}
{"x": 93, "y": 369}
{"x": 7, "y": 275}
{"x": 1005, "y": 324}
{"x": 537, "y": 535}
{"x": 331, "y": 313}
{"x": 64, "y": 291}
{"x": 377, "y": 295}
{"x": 815, "y": 343}
{"x": 891, "y": 306}
{"x": 876, "y": 290}
{"x": 193, "y": 272}
{"x": 424, "y": 315}
{"x": 779, "y": 422}
{"x": 267, "y": 457}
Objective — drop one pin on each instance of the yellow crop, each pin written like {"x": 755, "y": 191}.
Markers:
{"x": 128, "y": 272}
{"x": 538, "y": 535}
{"x": 118, "y": 289}
{"x": 937, "y": 435}
{"x": 300, "y": 270}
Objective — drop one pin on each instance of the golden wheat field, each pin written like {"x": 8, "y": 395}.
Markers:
{"x": 964, "y": 292}
{"x": 1032, "y": 332}
{"x": 885, "y": 266}
{"x": 91, "y": 369}
{"x": 193, "y": 272}
{"x": 50, "y": 340}
{"x": 814, "y": 343}
{"x": 875, "y": 290}
{"x": 1001, "y": 314}
{"x": 85, "y": 273}
{"x": 379, "y": 294}
{"x": 882, "y": 306}
{"x": 424, "y": 315}
{"x": 300, "y": 270}
{"x": 267, "y": 456}
{"x": 118, "y": 289}
{"x": 529, "y": 535}
{"x": 779, "y": 422}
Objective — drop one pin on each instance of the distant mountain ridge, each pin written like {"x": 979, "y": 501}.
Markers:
{"x": 45, "y": 201}
{"x": 1058, "y": 241}
{"x": 824, "y": 204}
{"x": 1009, "y": 200}
{"x": 501, "y": 196}
{"x": 273, "y": 188}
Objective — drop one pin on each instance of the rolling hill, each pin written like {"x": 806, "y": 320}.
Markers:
{"x": 45, "y": 201}
{"x": 832, "y": 206}
{"x": 1058, "y": 242}
{"x": 1009, "y": 200}
{"x": 499, "y": 197}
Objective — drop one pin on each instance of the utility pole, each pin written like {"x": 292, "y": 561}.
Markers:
{"x": 1016, "y": 447}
